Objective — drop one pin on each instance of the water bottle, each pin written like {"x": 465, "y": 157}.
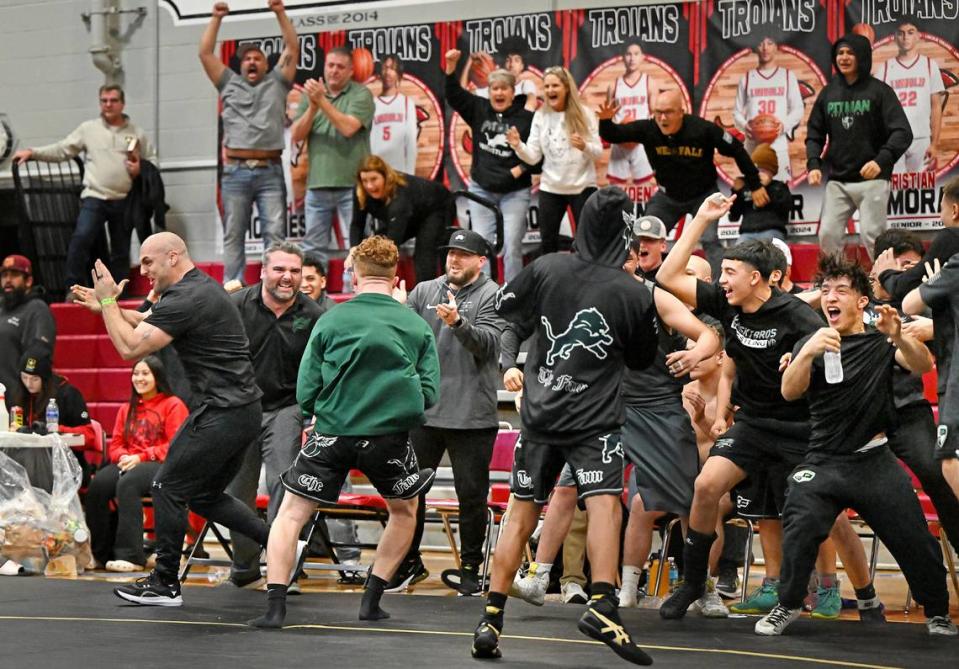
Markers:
{"x": 833, "y": 362}
{"x": 53, "y": 417}
{"x": 673, "y": 574}
{"x": 347, "y": 280}
{"x": 4, "y": 414}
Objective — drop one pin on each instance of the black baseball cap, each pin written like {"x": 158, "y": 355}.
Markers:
{"x": 469, "y": 241}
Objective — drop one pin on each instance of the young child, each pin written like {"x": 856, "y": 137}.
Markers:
{"x": 768, "y": 222}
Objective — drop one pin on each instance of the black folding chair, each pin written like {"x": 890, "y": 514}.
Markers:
{"x": 48, "y": 198}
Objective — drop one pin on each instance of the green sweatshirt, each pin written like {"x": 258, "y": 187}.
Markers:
{"x": 370, "y": 367}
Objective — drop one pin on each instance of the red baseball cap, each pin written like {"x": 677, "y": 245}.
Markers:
{"x": 17, "y": 263}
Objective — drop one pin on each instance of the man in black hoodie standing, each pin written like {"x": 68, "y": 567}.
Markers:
{"x": 591, "y": 318}
{"x": 867, "y": 132}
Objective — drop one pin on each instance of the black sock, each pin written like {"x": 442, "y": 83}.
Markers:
{"x": 604, "y": 597}
{"x": 495, "y": 605}
{"x": 275, "y": 607}
{"x": 696, "y": 556}
{"x": 370, "y": 606}
{"x": 866, "y": 597}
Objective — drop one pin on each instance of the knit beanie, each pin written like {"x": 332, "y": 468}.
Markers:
{"x": 765, "y": 159}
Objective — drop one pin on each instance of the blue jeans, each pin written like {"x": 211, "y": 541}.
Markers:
{"x": 240, "y": 187}
{"x": 94, "y": 212}
{"x": 514, "y": 206}
{"x": 774, "y": 233}
{"x": 320, "y": 205}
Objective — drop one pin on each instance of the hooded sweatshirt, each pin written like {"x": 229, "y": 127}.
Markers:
{"x": 591, "y": 318}
{"x": 863, "y": 120}
{"x": 493, "y": 158}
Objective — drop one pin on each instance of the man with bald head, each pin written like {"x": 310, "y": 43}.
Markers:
{"x": 194, "y": 313}
{"x": 681, "y": 148}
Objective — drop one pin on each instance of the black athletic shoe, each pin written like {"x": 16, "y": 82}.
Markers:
{"x": 601, "y": 622}
{"x": 410, "y": 572}
{"x": 873, "y": 615}
{"x": 486, "y": 641}
{"x": 151, "y": 591}
{"x": 675, "y": 607}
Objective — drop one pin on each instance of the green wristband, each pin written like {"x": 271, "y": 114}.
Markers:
{"x": 108, "y": 300}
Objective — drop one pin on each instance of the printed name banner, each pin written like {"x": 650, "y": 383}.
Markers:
{"x": 754, "y": 67}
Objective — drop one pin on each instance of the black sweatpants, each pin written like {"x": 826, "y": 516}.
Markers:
{"x": 204, "y": 456}
{"x": 119, "y": 535}
{"x": 875, "y": 486}
{"x": 552, "y": 208}
{"x": 470, "y": 452}
{"x": 914, "y": 442}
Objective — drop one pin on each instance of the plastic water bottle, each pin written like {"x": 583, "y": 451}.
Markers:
{"x": 673, "y": 574}
{"x": 4, "y": 414}
{"x": 347, "y": 281}
{"x": 833, "y": 362}
{"x": 53, "y": 417}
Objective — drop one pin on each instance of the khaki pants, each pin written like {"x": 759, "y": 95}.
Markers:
{"x": 841, "y": 199}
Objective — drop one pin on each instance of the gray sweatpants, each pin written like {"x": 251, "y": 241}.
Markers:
{"x": 840, "y": 201}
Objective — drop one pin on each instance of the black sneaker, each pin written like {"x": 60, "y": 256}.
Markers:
{"x": 464, "y": 581}
{"x": 410, "y": 572}
{"x": 873, "y": 615}
{"x": 250, "y": 580}
{"x": 727, "y": 583}
{"x": 486, "y": 641}
{"x": 601, "y": 622}
{"x": 151, "y": 591}
{"x": 675, "y": 607}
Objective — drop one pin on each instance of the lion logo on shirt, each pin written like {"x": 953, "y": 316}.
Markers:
{"x": 588, "y": 330}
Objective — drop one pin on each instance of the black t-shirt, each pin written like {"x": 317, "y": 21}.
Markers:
{"x": 209, "y": 337}
{"x": 756, "y": 342}
{"x": 655, "y": 386}
{"x": 276, "y": 344}
{"x": 845, "y": 416}
{"x": 941, "y": 293}
{"x": 907, "y": 387}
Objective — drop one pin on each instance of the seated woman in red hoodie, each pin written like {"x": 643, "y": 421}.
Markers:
{"x": 141, "y": 437}
{"x": 38, "y": 385}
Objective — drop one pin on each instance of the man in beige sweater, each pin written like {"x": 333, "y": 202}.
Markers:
{"x": 113, "y": 147}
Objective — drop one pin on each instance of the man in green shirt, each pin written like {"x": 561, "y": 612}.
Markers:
{"x": 368, "y": 374}
{"x": 335, "y": 116}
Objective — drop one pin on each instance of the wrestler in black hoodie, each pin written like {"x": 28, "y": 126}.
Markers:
{"x": 591, "y": 318}
{"x": 863, "y": 120}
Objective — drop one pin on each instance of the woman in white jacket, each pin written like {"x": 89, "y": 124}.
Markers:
{"x": 565, "y": 136}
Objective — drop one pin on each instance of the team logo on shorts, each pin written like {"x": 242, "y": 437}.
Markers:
{"x": 610, "y": 451}
{"x": 588, "y": 330}
{"x": 720, "y": 444}
{"x": 317, "y": 444}
{"x": 403, "y": 485}
{"x": 523, "y": 479}
{"x": 310, "y": 483}
{"x": 585, "y": 478}
{"x": 399, "y": 464}
{"x": 742, "y": 502}
{"x": 942, "y": 435}
{"x": 804, "y": 476}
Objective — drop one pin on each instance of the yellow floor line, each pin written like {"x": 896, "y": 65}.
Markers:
{"x": 387, "y": 630}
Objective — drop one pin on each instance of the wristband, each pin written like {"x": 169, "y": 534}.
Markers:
{"x": 107, "y": 301}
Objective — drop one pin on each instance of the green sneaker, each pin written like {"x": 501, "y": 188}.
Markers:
{"x": 828, "y": 603}
{"x": 762, "y": 600}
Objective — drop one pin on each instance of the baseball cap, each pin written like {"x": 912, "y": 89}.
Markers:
{"x": 651, "y": 227}
{"x": 784, "y": 247}
{"x": 17, "y": 263}
{"x": 469, "y": 241}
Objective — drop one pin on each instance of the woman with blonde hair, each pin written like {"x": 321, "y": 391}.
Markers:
{"x": 400, "y": 207}
{"x": 565, "y": 136}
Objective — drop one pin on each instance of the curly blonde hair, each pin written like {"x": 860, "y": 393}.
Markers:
{"x": 375, "y": 257}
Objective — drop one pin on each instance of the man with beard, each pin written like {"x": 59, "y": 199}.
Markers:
{"x": 278, "y": 319}
{"x": 459, "y": 308}
{"x": 254, "y": 110}
{"x": 592, "y": 320}
{"x": 25, "y": 319}
{"x": 195, "y": 315}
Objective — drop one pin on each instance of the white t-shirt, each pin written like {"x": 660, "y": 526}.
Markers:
{"x": 775, "y": 93}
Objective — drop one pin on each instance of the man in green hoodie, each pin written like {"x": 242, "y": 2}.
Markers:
{"x": 368, "y": 373}
{"x": 867, "y": 131}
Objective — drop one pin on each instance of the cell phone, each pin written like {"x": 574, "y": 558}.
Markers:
{"x": 132, "y": 145}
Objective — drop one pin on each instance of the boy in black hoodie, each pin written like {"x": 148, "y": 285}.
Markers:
{"x": 867, "y": 131}
{"x": 591, "y": 318}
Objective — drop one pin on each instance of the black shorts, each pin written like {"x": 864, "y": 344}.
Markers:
{"x": 767, "y": 450}
{"x": 324, "y": 462}
{"x": 596, "y": 463}
{"x": 947, "y": 439}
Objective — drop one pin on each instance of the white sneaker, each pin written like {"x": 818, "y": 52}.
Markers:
{"x": 711, "y": 605}
{"x": 573, "y": 593}
{"x": 531, "y": 588}
{"x": 776, "y": 621}
{"x": 941, "y": 626}
{"x": 122, "y": 566}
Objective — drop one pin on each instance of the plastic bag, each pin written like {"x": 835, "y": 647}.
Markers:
{"x": 37, "y": 526}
